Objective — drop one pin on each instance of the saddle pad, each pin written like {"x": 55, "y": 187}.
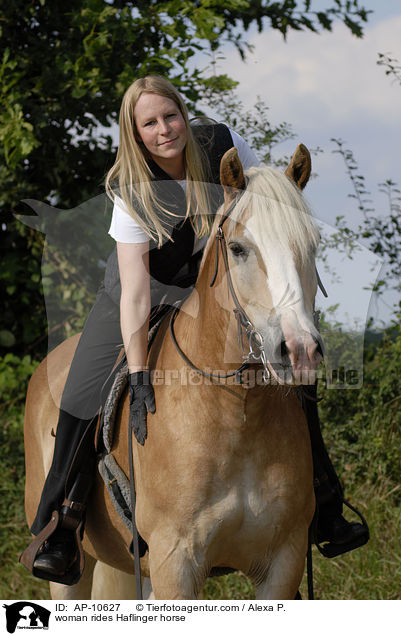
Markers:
{"x": 118, "y": 487}
{"x": 111, "y": 405}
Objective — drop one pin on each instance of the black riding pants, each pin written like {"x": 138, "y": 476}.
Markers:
{"x": 94, "y": 358}
{"x": 95, "y": 355}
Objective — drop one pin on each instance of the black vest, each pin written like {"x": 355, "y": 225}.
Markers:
{"x": 165, "y": 262}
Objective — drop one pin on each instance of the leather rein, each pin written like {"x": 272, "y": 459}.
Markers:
{"x": 256, "y": 353}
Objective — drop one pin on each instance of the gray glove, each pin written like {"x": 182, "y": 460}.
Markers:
{"x": 142, "y": 402}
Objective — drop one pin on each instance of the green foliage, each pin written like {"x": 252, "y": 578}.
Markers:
{"x": 362, "y": 427}
{"x": 343, "y": 350}
{"x": 229, "y": 587}
{"x": 382, "y": 233}
{"x": 16, "y": 134}
{"x": 392, "y": 66}
{"x": 14, "y": 534}
{"x": 372, "y": 572}
{"x": 14, "y": 375}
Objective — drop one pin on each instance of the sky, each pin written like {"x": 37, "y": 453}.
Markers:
{"x": 330, "y": 86}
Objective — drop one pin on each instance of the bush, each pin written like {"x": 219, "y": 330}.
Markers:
{"x": 362, "y": 428}
{"x": 14, "y": 534}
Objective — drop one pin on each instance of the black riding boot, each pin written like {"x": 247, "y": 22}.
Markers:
{"x": 66, "y": 491}
{"x": 332, "y": 528}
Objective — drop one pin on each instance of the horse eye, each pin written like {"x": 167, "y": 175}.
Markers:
{"x": 238, "y": 250}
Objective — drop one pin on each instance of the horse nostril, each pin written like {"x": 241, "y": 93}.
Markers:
{"x": 281, "y": 352}
{"x": 319, "y": 348}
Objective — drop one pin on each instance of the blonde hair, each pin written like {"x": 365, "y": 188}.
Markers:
{"x": 134, "y": 176}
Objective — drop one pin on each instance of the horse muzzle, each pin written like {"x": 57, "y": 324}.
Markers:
{"x": 296, "y": 357}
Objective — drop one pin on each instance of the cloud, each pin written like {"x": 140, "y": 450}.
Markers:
{"x": 332, "y": 77}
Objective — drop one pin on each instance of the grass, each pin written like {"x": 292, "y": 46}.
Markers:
{"x": 372, "y": 572}
{"x": 15, "y": 581}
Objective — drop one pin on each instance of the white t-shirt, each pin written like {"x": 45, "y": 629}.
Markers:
{"x": 125, "y": 229}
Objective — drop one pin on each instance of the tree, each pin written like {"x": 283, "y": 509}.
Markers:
{"x": 64, "y": 69}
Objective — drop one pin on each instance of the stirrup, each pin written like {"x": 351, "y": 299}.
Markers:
{"x": 330, "y": 550}
{"x": 29, "y": 555}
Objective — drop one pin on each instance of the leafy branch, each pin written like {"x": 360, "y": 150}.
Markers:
{"x": 391, "y": 64}
{"x": 383, "y": 232}
{"x": 253, "y": 124}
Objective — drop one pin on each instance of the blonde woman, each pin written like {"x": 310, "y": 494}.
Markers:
{"x": 163, "y": 206}
{"x": 164, "y": 200}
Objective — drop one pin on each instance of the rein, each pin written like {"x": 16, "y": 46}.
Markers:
{"x": 135, "y": 534}
{"x": 217, "y": 376}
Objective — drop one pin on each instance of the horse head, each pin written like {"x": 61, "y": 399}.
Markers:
{"x": 271, "y": 241}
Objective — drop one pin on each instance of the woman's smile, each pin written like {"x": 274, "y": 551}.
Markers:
{"x": 168, "y": 141}
{"x": 161, "y": 128}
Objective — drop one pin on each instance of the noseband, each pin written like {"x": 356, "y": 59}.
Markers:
{"x": 256, "y": 353}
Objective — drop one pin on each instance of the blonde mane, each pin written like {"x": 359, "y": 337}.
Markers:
{"x": 279, "y": 211}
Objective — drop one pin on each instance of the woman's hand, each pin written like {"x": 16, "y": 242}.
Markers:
{"x": 142, "y": 402}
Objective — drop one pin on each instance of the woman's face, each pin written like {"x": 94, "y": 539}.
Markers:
{"x": 161, "y": 127}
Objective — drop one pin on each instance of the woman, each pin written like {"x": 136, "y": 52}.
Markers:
{"x": 163, "y": 208}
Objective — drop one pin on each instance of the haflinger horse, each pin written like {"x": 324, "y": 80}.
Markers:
{"x": 225, "y": 478}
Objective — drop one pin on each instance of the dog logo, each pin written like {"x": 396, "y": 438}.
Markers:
{"x": 23, "y": 615}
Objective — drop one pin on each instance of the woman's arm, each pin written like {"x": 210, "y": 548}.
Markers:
{"x": 133, "y": 263}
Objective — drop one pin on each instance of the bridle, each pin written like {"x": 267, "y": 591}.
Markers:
{"x": 256, "y": 352}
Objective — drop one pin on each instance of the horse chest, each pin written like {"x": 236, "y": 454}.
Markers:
{"x": 245, "y": 512}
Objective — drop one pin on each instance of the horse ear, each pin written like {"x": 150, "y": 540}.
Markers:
{"x": 300, "y": 166}
{"x": 231, "y": 172}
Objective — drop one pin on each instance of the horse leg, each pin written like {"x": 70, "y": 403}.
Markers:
{"x": 286, "y": 570}
{"x": 112, "y": 584}
{"x": 81, "y": 590}
{"x": 172, "y": 572}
